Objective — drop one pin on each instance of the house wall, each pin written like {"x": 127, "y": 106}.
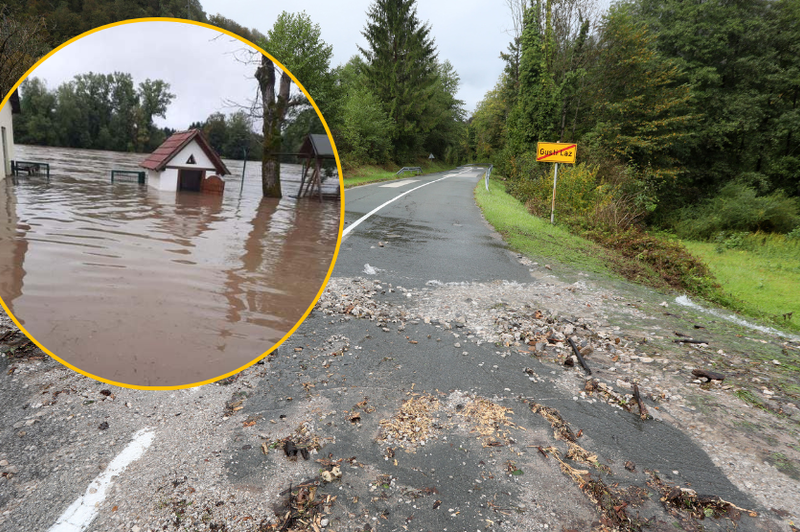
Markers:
{"x": 166, "y": 180}
{"x": 8, "y": 153}
{"x": 201, "y": 160}
{"x": 153, "y": 179}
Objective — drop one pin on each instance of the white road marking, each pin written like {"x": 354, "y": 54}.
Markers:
{"x": 399, "y": 184}
{"x": 80, "y": 514}
{"x": 379, "y": 207}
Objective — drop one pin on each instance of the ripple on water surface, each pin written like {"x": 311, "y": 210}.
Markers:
{"x": 152, "y": 288}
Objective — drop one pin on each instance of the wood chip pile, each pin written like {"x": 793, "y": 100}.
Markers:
{"x": 413, "y": 423}
{"x": 489, "y": 419}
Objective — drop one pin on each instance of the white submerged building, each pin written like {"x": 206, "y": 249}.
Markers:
{"x": 7, "y": 132}
{"x": 182, "y": 162}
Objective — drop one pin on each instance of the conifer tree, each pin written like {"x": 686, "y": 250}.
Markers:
{"x": 534, "y": 115}
{"x": 400, "y": 70}
{"x": 643, "y": 112}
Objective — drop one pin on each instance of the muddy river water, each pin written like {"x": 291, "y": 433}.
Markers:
{"x": 152, "y": 288}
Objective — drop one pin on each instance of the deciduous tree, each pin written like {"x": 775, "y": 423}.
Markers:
{"x": 297, "y": 43}
{"x": 22, "y": 42}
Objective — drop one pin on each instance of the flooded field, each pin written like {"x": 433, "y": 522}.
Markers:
{"x": 156, "y": 288}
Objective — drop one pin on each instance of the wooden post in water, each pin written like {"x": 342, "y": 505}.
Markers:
{"x": 244, "y": 166}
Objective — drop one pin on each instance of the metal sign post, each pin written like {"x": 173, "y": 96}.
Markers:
{"x": 555, "y": 152}
{"x": 553, "y": 207}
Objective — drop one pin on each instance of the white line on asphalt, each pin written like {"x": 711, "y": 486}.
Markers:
{"x": 80, "y": 514}
{"x": 379, "y": 207}
{"x": 400, "y": 183}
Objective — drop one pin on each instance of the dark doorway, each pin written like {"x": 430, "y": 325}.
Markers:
{"x": 190, "y": 179}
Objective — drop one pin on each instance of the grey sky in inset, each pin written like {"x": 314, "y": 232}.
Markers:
{"x": 203, "y": 67}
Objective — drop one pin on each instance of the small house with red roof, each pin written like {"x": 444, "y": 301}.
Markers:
{"x": 182, "y": 162}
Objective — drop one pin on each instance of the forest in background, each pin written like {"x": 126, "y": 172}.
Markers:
{"x": 93, "y": 111}
{"x": 373, "y": 120}
{"x": 112, "y": 112}
{"x": 685, "y": 113}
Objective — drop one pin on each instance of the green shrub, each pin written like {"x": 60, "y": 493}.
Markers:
{"x": 738, "y": 208}
{"x": 730, "y": 241}
{"x": 605, "y": 195}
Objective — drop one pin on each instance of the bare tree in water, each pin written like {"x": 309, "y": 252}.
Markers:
{"x": 273, "y": 108}
{"x": 296, "y": 43}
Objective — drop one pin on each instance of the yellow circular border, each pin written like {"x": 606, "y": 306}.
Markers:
{"x": 341, "y": 202}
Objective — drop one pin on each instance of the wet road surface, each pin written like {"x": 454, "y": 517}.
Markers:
{"x": 433, "y": 234}
{"x": 381, "y": 354}
{"x": 336, "y": 366}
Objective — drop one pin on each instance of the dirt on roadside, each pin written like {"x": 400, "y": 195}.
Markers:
{"x": 460, "y": 407}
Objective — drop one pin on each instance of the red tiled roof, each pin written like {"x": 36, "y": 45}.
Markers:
{"x": 159, "y": 159}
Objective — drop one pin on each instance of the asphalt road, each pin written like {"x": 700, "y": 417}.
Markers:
{"x": 431, "y": 236}
{"x": 339, "y": 385}
{"x": 435, "y": 233}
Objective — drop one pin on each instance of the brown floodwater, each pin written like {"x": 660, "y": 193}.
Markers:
{"x": 153, "y": 288}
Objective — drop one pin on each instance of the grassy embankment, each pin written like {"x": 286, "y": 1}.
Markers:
{"x": 763, "y": 284}
{"x": 764, "y": 271}
{"x": 534, "y": 236}
{"x": 373, "y": 174}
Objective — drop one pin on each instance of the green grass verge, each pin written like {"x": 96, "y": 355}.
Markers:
{"x": 534, "y": 236}
{"x": 368, "y": 174}
{"x": 374, "y": 174}
{"x": 767, "y": 281}
{"x": 651, "y": 259}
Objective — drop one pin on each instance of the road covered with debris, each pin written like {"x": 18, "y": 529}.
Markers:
{"x": 441, "y": 383}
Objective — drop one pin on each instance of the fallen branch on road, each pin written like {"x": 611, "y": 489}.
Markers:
{"x": 638, "y": 398}
{"x": 579, "y": 357}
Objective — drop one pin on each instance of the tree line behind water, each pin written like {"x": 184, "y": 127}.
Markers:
{"x": 93, "y": 111}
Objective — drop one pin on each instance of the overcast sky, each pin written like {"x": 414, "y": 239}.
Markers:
{"x": 469, "y": 33}
{"x": 203, "y": 67}
{"x": 204, "y": 72}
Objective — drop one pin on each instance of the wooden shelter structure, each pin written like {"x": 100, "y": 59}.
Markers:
{"x": 315, "y": 149}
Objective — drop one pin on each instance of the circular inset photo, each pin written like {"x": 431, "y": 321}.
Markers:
{"x": 170, "y": 204}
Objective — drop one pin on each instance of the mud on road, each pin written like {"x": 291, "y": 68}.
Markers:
{"x": 447, "y": 407}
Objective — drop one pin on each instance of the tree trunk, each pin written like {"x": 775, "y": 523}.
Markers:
{"x": 270, "y": 163}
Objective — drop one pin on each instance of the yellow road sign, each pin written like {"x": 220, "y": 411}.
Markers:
{"x": 556, "y": 152}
